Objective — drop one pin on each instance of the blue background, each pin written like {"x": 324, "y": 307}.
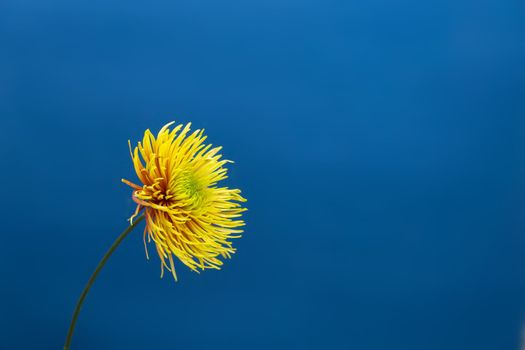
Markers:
{"x": 380, "y": 144}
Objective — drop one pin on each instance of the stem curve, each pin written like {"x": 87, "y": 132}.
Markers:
{"x": 93, "y": 277}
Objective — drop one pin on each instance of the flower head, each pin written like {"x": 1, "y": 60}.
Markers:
{"x": 187, "y": 214}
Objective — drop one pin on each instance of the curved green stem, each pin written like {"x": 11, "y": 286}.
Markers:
{"x": 94, "y": 277}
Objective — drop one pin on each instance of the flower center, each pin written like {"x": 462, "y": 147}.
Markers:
{"x": 191, "y": 190}
{"x": 191, "y": 186}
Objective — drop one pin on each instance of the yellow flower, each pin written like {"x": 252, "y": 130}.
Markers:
{"x": 187, "y": 214}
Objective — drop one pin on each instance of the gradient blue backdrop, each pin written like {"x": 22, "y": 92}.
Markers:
{"x": 380, "y": 144}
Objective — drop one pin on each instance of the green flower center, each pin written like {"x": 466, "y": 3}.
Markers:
{"x": 191, "y": 190}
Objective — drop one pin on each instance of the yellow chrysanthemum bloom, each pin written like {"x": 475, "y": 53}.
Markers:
{"x": 187, "y": 214}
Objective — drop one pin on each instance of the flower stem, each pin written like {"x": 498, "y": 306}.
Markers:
{"x": 94, "y": 277}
